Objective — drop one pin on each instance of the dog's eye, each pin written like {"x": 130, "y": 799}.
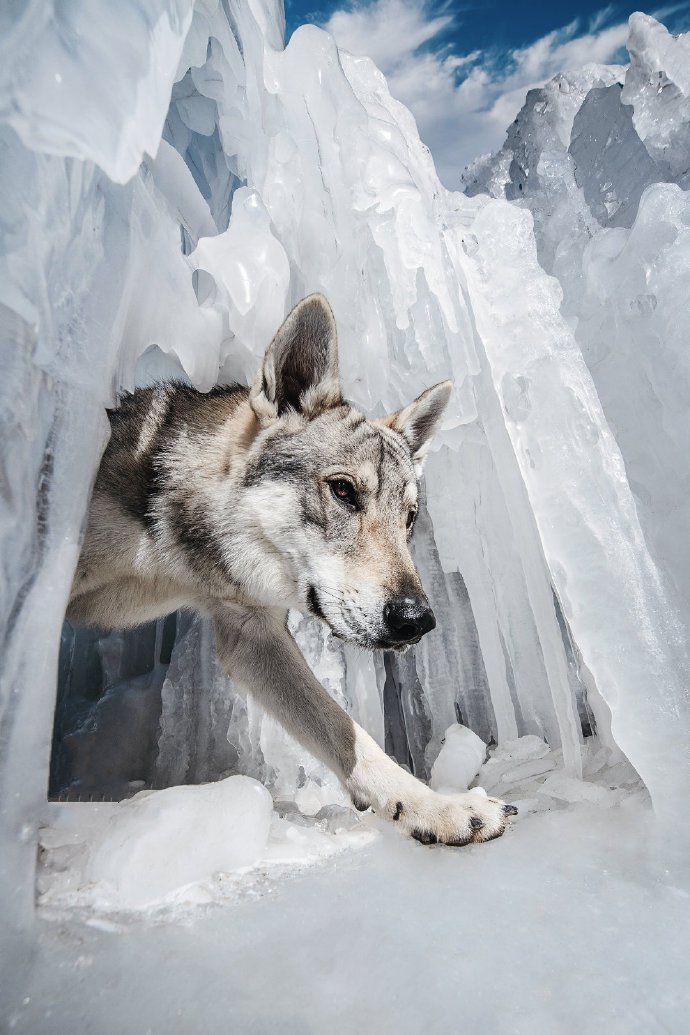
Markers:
{"x": 410, "y": 518}
{"x": 345, "y": 492}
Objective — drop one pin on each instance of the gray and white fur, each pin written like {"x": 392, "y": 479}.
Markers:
{"x": 244, "y": 502}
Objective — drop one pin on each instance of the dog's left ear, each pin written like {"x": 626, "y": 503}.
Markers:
{"x": 300, "y": 368}
{"x": 417, "y": 423}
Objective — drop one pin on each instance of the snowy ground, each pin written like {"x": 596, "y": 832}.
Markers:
{"x": 541, "y": 931}
{"x": 161, "y": 852}
{"x": 575, "y": 921}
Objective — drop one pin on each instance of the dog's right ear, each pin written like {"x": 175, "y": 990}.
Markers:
{"x": 300, "y": 368}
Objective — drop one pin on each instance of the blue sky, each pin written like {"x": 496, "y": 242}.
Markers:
{"x": 464, "y": 69}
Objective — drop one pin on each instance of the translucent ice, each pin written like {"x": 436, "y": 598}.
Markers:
{"x": 594, "y": 175}
{"x": 160, "y": 841}
{"x": 657, "y": 86}
{"x": 122, "y": 103}
{"x": 459, "y": 759}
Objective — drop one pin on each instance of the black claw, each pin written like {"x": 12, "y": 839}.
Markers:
{"x": 425, "y": 837}
{"x": 510, "y": 810}
{"x": 398, "y": 810}
{"x": 476, "y": 823}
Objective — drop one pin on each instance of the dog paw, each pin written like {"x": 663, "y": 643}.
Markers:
{"x": 458, "y": 819}
{"x": 426, "y": 815}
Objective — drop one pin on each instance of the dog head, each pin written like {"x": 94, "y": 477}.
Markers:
{"x": 335, "y": 494}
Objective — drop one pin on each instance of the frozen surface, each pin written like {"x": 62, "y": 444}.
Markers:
{"x": 567, "y": 924}
{"x": 160, "y": 853}
{"x": 165, "y": 199}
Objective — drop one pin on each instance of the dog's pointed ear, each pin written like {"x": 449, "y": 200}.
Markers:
{"x": 300, "y": 368}
{"x": 418, "y": 422}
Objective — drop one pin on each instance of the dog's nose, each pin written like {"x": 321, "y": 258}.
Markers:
{"x": 408, "y": 618}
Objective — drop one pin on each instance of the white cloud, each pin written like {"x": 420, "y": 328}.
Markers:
{"x": 387, "y": 31}
{"x": 463, "y": 103}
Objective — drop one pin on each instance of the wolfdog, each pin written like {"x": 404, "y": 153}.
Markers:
{"x": 244, "y": 502}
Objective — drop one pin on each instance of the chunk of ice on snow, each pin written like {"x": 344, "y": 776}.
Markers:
{"x": 459, "y": 760}
{"x": 163, "y": 840}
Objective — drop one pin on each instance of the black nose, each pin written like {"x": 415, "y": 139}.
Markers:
{"x": 408, "y": 618}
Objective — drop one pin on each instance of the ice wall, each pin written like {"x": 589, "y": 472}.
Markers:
{"x": 600, "y": 158}
{"x": 280, "y": 172}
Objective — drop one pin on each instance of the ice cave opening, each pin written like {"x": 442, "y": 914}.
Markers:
{"x": 171, "y": 186}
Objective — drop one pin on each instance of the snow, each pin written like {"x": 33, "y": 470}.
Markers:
{"x": 566, "y": 924}
{"x": 180, "y": 184}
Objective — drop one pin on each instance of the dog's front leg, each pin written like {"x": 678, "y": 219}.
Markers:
{"x": 258, "y": 652}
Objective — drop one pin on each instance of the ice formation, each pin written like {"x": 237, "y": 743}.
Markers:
{"x": 459, "y": 760}
{"x": 159, "y": 841}
{"x": 166, "y": 197}
{"x": 600, "y": 159}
